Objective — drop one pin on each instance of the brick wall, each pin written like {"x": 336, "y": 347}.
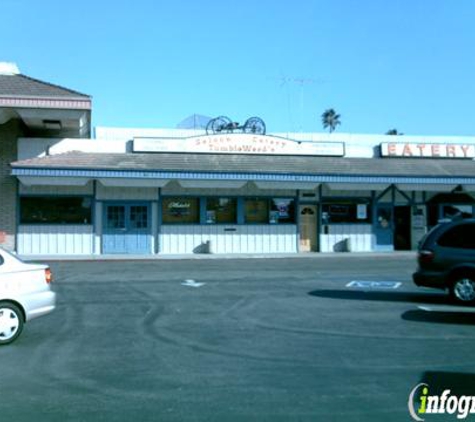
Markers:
{"x": 9, "y": 133}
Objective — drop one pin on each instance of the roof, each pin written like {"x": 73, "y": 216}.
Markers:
{"x": 245, "y": 165}
{"x": 24, "y": 86}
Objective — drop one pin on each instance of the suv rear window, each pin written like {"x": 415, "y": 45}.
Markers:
{"x": 461, "y": 236}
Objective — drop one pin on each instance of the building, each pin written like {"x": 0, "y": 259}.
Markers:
{"x": 31, "y": 108}
{"x": 164, "y": 191}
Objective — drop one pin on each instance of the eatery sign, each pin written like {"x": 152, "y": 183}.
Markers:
{"x": 422, "y": 150}
{"x": 239, "y": 143}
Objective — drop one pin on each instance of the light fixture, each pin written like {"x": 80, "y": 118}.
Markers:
{"x": 52, "y": 124}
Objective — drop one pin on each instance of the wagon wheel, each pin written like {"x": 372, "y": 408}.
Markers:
{"x": 255, "y": 125}
{"x": 221, "y": 124}
{"x": 209, "y": 127}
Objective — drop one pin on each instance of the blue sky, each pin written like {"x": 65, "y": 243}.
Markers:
{"x": 405, "y": 64}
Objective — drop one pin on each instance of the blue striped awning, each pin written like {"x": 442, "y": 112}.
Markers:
{"x": 276, "y": 177}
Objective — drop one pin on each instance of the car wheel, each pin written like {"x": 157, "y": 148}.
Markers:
{"x": 463, "y": 289}
{"x": 11, "y": 322}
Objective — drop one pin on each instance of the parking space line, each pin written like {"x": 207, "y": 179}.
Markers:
{"x": 362, "y": 284}
{"x": 425, "y": 308}
{"x": 192, "y": 283}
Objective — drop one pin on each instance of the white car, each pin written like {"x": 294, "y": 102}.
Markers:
{"x": 25, "y": 293}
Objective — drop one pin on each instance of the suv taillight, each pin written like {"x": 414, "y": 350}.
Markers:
{"x": 48, "y": 276}
{"x": 425, "y": 257}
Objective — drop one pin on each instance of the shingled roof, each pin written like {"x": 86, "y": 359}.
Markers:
{"x": 24, "y": 86}
{"x": 256, "y": 164}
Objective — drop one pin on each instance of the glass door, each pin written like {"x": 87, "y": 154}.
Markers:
{"x": 384, "y": 227}
{"x": 126, "y": 228}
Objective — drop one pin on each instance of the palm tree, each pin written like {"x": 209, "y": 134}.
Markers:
{"x": 330, "y": 120}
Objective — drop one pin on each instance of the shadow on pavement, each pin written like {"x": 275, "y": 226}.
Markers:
{"x": 458, "y": 383}
{"x": 442, "y": 317}
{"x": 379, "y": 296}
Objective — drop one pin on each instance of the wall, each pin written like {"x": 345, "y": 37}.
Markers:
{"x": 55, "y": 239}
{"x": 347, "y": 238}
{"x": 228, "y": 239}
{"x": 9, "y": 133}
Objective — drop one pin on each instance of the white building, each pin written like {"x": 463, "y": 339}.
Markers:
{"x": 163, "y": 191}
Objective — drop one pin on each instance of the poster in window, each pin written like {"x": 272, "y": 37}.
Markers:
{"x": 362, "y": 211}
{"x": 274, "y": 217}
{"x": 211, "y": 217}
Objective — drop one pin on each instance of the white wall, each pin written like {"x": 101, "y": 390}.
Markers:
{"x": 55, "y": 240}
{"x": 114, "y": 140}
{"x": 245, "y": 239}
{"x": 360, "y": 238}
{"x": 38, "y": 147}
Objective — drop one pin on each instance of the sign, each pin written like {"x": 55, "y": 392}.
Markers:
{"x": 422, "y": 150}
{"x": 239, "y": 143}
{"x": 361, "y": 211}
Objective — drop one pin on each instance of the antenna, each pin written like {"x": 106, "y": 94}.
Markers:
{"x": 285, "y": 81}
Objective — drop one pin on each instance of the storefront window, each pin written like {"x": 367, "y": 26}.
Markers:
{"x": 221, "y": 210}
{"x": 346, "y": 212}
{"x": 55, "y": 210}
{"x": 457, "y": 211}
{"x": 180, "y": 210}
{"x": 282, "y": 210}
{"x": 256, "y": 211}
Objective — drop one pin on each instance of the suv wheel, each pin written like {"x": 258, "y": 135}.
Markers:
{"x": 463, "y": 289}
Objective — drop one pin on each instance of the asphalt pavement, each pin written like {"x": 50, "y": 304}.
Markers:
{"x": 339, "y": 338}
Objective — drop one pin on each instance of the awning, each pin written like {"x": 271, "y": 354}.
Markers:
{"x": 357, "y": 186}
{"x": 53, "y": 181}
{"x": 287, "y": 185}
{"x": 133, "y": 183}
{"x": 405, "y": 187}
{"x": 213, "y": 184}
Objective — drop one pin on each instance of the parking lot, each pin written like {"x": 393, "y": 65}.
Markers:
{"x": 288, "y": 339}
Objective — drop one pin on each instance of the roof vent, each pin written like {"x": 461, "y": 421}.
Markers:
{"x": 7, "y": 68}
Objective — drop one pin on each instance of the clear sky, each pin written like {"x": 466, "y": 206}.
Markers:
{"x": 405, "y": 64}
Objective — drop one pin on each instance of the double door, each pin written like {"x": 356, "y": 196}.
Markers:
{"x": 127, "y": 228}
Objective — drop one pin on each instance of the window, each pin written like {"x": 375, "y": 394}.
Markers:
{"x": 346, "y": 212}
{"x": 180, "y": 210}
{"x": 256, "y": 211}
{"x": 269, "y": 211}
{"x": 454, "y": 211}
{"x": 115, "y": 217}
{"x": 461, "y": 236}
{"x": 55, "y": 210}
{"x": 224, "y": 210}
{"x": 221, "y": 210}
{"x": 138, "y": 217}
{"x": 282, "y": 210}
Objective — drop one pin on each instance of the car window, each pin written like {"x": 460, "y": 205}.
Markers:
{"x": 1, "y": 260}
{"x": 461, "y": 236}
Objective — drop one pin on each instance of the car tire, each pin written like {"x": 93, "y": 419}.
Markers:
{"x": 462, "y": 289}
{"x": 11, "y": 322}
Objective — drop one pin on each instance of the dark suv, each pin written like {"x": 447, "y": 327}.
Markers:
{"x": 447, "y": 259}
